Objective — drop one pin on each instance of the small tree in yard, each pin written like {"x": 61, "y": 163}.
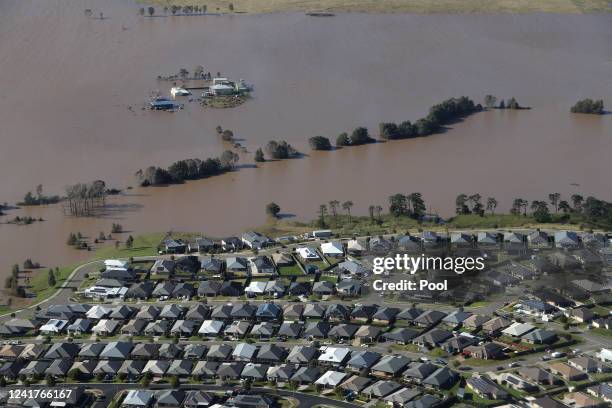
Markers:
{"x": 259, "y": 156}
{"x": 49, "y": 380}
{"x": 51, "y": 279}
{"x": 129, "y": 242}
{"x": 174, "y": 381}
{"x": 273, "y": 210}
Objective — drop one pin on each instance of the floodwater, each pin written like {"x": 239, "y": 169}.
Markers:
{"x": 67, "y": 82}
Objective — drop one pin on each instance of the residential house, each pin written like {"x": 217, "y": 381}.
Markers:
{"x": 568, "y": 372}
{"x": 390, "y": 366}
{"x": 442, "y": 378}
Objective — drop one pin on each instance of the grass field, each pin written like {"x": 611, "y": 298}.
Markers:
{"x": 398, "y": 6}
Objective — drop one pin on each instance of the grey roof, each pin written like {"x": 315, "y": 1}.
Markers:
{"x": 145, "y": 350}
{"x": 391, "y": 364}
{"x": 283, "y": 372}
{"x": 195, "y": 351}
{"x": 231, "y": 288}
{"x": 156, "y": 367}
{"x": 35, "y": 368}
{"x": 244, "y": 351}
{"x": 163, "y": 288}
{"x": 293, "y": 310}
{"x": 169, "y": 397}
{"x": 169, "y": 350}
{"x": 409, "y": 314}
{"x": 290, "y": 329}
{"x": 132, "y": 367}
{"x": 140, "y": 398}
{"x": 148, "y": 312}
{"x": 402, "y": 395}
{"x": 210, "y": 264}
{"x": 315, "y": 310}
{"x": 364, "y": 312}
{"x": 219, "y": 351}
{"x": 80, "y": 325}
{"x": 62, "y": 350}
{"x": 306, "y": 374}
{"x": 386, "y": 313}
{"x": 197, "y": 312}
{"x": 401, "y": 334}
{"x": 337, "y": 311}
{"x": 207, "y": 369}
{"x": 91, "y": 349}
{"x": 356, "y": 383}
{"x": 59, "y": 367}
{"x": 172, "y": 311}
{"x": 430, "y": 317}
{"x": 221, "y": 312}
{"x": 541, "y": 336}
{"x": 122, "y": 312}
{"x": 343, "y": 331}
{"x": 420, "y": 370}
{"x": 89, "y": 366}
{"x": 426, "y": 401}
{"x": 117, "y": 349}
{"x": 134, "y": 326}
{"x": 302, "y": 354}
{"x": 180, "y": 367}
{"x": 255, "y": 371}
{"x": 363, "y": 359}
{"x": 456, "y": 317}
{"x": 317, "y": 329}
{"x": 271, "y": 352}
{"x": 382, "y": 388}
{"x": 435, "y": 337}
{"x": 107, "y": 367}
{"x": 157, "y": 327}
{"x": 198, "y": 398}
{"x": 231, "y": 370}
{"x": 183, "y": 327}
{"x": 323, "y": 287}
{"x": 209, "y": 288}
{"x": 236, "y": 263}
{"x": 266, "y": 329}
{"x": 442, "y": 377}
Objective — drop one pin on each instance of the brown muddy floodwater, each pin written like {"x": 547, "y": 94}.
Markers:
{"x": 66, "y": 82}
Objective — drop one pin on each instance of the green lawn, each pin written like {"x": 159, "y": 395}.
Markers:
{"x": 290, "y": 270}
{"x": 39, "y": 284}
{"x": 602, "y": 332}
{"x": 144, "y": 245}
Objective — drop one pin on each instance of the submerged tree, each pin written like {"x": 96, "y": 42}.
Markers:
{"x": 259, "y": 156}
{"x": 273, "y": 210}
{"x": 346, "y": 206}
{"x": 84, "y": 200}
{"x": 491, "y": 205}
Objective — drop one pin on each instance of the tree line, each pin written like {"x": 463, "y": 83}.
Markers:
{"x": 578, "y": 209}
{"x": 39, "y": 198}
{"x": 188, "y": 169}
{"x": 439, "y": 115}
{"x": 276, "y": 150}
{"x": 592, "y": 210}
{"x": 588, "y": 106}
{"x": 492, "y": 102}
